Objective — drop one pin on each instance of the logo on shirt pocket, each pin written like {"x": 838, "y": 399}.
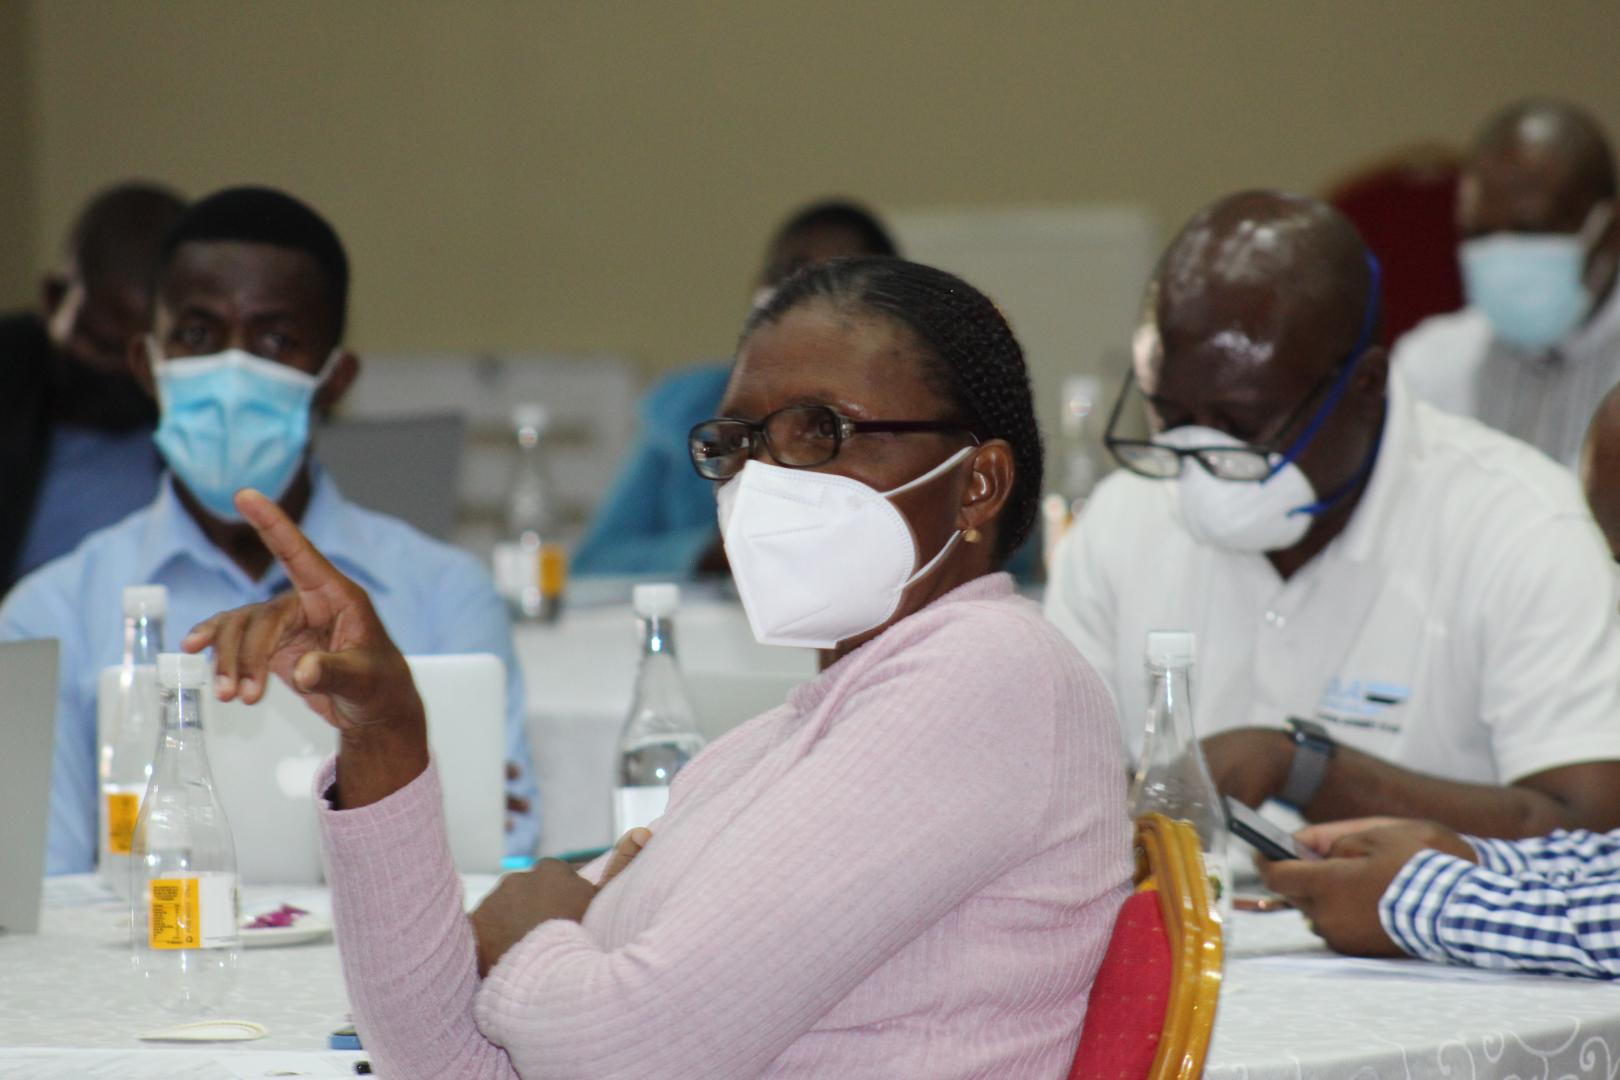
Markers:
{"x": 1368, "y": 704}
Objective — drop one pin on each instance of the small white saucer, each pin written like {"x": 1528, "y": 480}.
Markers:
{"x": 306, "y": 929}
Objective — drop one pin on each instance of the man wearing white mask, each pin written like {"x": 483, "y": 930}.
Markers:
{"x": 1539, "y": 343}
{"x": 1397, "y": 610}
{"x": 249, "y": 303}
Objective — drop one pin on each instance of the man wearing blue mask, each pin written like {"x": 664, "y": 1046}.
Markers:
{"x": 1397, "y": 611}
{"x": 249, "y": 303}
{"x": 1539, "y": 343}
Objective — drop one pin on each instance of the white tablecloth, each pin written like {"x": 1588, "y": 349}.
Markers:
{"x": 72, "y": 986}
{"x": 1290, "y": 1010}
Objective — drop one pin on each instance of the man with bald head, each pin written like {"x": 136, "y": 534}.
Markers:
{"x": 76, "y": 447}
{"x": 1397, "y": 611}
{"x": 1539, "y": 341}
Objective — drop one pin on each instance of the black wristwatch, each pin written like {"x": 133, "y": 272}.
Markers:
{"x": 1313, "y": 749}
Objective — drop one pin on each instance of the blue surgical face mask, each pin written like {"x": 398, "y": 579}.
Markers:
{"x": 232, "y": 420}
{"x": 1531, "y": 285}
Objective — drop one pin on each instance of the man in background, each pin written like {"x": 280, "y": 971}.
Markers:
{"x": 245, "y": 351}
{"x": 1539, "y": 342}
{"x": 76, "y": 447}
{"x": 1397, "y": 611}
{"x": 658, "y": 518}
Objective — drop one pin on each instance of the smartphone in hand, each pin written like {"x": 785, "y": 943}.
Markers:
{"x": 1265, "y": 837}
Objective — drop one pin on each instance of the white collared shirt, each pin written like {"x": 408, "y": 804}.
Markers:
{"x": 1455, "y": 363}
{"x": 1464, "y": 624}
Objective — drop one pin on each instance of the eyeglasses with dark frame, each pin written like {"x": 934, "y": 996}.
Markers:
{"x": 798, "y": 437}
{"x": 1244, "y": 463}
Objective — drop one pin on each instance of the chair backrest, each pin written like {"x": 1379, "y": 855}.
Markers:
{"x": 408, "y": 467}
{"x": 1153, "y": 1003}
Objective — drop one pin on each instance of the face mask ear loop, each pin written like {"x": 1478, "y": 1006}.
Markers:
{"x": 1597, "y": 219}
{"x": 935, "y": 561}
{"x": 1369, "y": 320}
{"x": 931, "y": 473}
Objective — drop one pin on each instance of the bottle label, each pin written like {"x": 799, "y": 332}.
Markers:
{"x": 553, "y": 569}
{"x": 123, "y": 807}
{"x": 634, "y": 807}
{"x": 192, "y": 912}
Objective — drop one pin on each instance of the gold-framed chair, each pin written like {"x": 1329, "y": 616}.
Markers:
{"x": 1153, "y": 1004}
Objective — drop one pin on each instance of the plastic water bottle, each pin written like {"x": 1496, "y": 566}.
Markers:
{"x": 129, "y": 734}
{"x": 185, "y": 906}
{"x": 531, "y": 564}
{"x": 1172, "y": 777}
{"x": 1077, "y": 470}
{"x": 660, "y": 735}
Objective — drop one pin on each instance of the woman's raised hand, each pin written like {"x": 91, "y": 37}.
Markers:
{"x": 323, "y": 638}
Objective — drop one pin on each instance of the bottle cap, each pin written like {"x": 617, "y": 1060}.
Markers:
{"x": 1170, "y": 648}
{"x": 182, "y": 671}
{"x": 530, "y": 414}
{"x": 149, "y": 600}
{"x": 658, "y": 601}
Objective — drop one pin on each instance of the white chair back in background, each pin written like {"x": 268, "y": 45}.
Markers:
{"x": 264, "y": 758}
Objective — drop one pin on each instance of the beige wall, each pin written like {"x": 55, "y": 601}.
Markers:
{"x": 17, "y": 214}
{"x": 600, "y": 176}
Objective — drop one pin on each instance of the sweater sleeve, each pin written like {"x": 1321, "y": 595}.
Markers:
{"x": 929, "y": 783}
{"x": 406, "y": 943}
{"x": 1446, "y": 909}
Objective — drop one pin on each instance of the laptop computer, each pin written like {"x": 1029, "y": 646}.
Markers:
{"x": 27, "y": 734}
{"x": 264, "y": 758}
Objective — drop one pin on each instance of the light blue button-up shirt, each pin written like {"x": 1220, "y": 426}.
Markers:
{"x": 431, "y": 597}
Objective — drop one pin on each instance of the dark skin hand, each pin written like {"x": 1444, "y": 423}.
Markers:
{"x": 1251, "y": 764}
{"x": 323, "y": 638}
{"x": 1340, "y": 894}
{"x": 551, "y": 890}
{"x": 870, "y": 368}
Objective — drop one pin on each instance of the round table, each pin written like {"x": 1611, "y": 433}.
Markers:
{"x": 1291, "y": 1010}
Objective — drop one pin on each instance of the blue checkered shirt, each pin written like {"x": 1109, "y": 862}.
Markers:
{"x": 1551, "y": 904}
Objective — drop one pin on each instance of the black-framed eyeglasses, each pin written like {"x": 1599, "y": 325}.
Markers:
{"x": 798, "y": 436}
{"x": 1239, "y": 462}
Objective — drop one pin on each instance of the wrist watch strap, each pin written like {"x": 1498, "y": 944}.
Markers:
{"x": 1313, "y": 749}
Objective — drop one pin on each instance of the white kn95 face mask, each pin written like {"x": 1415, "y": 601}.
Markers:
{"x": 817, "y": 557}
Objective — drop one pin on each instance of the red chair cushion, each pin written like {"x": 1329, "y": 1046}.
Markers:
{"x": 1129, "y": 997}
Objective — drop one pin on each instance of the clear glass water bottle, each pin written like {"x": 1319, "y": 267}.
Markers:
{"x": 184, "y": 891}
{"x": 1077, "y": 470}
{"x": 1172, "y": 777}
{"x": 531, "y": 563}
{"x": 129, "y": 732}
{"x": 660, "y": 735}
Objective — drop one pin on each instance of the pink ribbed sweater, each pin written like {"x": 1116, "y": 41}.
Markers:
{"x": 908, "y": 870}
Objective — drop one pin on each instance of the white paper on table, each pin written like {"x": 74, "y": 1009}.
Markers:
{"x": 55, "y": 1064}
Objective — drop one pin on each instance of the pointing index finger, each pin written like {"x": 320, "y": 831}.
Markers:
{"x": 307, "y": 568}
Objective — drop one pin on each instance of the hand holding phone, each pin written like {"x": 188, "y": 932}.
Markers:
{"x": 1265, "y": 837}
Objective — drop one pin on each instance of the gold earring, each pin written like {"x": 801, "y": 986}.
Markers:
{"x": 972, "y": 536}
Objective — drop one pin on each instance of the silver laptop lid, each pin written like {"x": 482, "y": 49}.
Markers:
{"x": 27, "y": 734}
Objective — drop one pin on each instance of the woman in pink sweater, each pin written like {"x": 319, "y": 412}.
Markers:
{"x": 910, "y": 869}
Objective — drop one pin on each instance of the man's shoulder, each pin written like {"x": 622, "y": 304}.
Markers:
{"x": 1460, "y": 452}
{"x": 103, "y": 561}
{"x": 1441, "y": 339}
{"x": 683, "y": 398}
{"x": 387, "y": 547}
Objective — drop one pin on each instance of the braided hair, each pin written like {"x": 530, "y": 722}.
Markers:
{"x": 970, "y": 356}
